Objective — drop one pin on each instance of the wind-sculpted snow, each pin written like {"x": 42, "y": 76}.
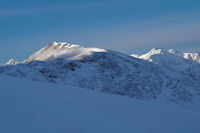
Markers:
{"x": 109, "y": 72}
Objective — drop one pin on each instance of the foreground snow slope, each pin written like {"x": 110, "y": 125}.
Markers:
{"x": 30, "y": 107}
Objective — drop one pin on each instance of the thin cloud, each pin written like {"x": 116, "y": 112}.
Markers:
{"x": 57, "y": 8}
{"x": 169, "y": 31}
{"x": 149, "y": 33}
{"x": 37, "y": 10}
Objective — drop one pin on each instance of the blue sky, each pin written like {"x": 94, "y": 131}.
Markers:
{"x": 128, "y": 26}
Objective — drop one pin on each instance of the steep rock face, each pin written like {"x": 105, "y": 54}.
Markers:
{"x": 109, "y": 72}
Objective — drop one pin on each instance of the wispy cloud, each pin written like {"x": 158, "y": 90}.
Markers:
{"x": 17, "y": 11}
{"x": 173, "y": 31}
{"x": 37, "y": 10}
{"x": 165, "y": 34}
{"x": 160, "y": 32}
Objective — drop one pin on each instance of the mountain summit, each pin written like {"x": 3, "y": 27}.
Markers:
{"x": 63, "y": 50}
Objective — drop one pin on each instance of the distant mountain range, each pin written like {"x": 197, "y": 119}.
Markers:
{"x": 159, "y": 74}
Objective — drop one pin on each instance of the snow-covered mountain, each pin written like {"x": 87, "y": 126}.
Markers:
{"x": 142, "y": 77}
{"x": 63, "y": 50}
{"x": 187, "y": 63}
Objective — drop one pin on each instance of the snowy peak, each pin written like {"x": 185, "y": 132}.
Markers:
{"x": 59, "y": 46}
{"x": 135, "y": 55}
{"x": 152, "y": 52}
{"x": 168, "y": 53}
{"x": 157, "y": 51}
{"x": 160, "y": 51}
{"x": 187, "y": 63}
{"x": 12, "y": 62}
{"x": 192, "y": 56}
{"x": 63, "y": 50}
{"x": 173, "y": 51}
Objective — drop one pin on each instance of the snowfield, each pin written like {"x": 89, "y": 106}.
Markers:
{"x": 33, "y": 107}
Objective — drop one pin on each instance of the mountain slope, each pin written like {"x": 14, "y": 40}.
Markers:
{"x": 28, "y": 106}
